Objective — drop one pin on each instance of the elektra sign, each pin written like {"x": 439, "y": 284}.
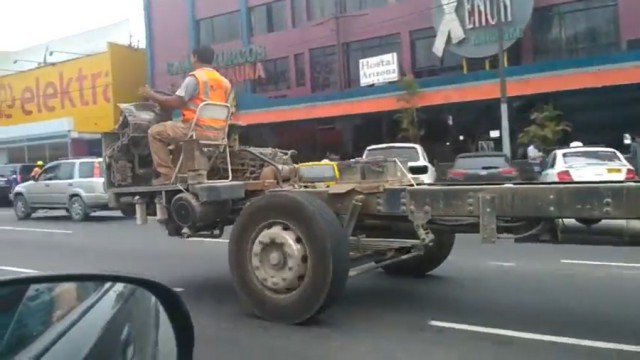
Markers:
{"x": 470, "y": 28}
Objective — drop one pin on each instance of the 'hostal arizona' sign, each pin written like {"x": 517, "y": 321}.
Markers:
{"x": 470, "y": 28}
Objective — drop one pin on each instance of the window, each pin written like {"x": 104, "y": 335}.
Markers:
{"x": 66, "y": 171}
{"x": 301, "y": 70}
{"x": 268, "y": 18}
{"x": 324, "y": 68}
{"x": 298, "y": 15}
{"x": 576, "y": 29}
{"x": 369, "y": 48}
{"x": 220, "y": 28}
{"x": 90, "y": 169}
{"x": 320, "y": 9}
{"x": 276, "y": 76}
{"x": 357, "y": 5}
{"x": 424, "y": 62}
{"x": 50, "y": 172}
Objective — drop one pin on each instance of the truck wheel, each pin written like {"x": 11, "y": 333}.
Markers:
{"x": 288, "y": 256}
{"x": 128, "y": 210}
{"x": 431, "y": 259}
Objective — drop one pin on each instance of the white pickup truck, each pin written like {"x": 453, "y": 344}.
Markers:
{"x": 422, "y": 172}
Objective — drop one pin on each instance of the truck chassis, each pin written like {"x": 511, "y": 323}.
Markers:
{"x": 294, "y": 244}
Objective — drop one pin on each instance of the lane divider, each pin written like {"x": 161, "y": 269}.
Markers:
{"x": 35, "y": 230}
{"x": 538, "y": 337}
{"x": 599, "y": 263}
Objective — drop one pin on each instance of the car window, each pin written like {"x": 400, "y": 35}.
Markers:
{"x": 33, "y": 310}
{"x": 90, "y": 169}
{"x": 481, "y": 162}
{"x": 409, "y": 154}
{"x": 591, "y": 157}
{"x": 50, "y": 172}
{"x": 66, "y": 171}
{"x": 551, "y": 161}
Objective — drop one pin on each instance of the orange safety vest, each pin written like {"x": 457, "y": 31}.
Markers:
{"x": 212, "y": 87}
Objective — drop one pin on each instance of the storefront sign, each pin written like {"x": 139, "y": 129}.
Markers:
{"x": 470, "y": 28}
{"x": 379, "y": 69}
{"x": 57, "y": 91}
{"x": 241, "y": 64}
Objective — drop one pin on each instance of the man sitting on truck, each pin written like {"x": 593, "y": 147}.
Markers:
{"x": 202, "y": 84}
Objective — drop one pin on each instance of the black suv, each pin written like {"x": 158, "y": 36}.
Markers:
{"x": 23, "y": 174}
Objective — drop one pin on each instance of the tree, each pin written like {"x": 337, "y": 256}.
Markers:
{"x": 410, "y": 128}
{"x": 547, "y": 128}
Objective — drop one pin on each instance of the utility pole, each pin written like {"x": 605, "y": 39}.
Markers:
{"x": 504, "y": 104}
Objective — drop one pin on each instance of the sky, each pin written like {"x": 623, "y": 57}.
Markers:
{"x": 31, "y": 22}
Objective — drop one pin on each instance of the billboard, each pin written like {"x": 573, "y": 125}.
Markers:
{"x": 470, "y": 28}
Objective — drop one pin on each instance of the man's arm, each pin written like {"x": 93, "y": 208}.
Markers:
{"x": 187, "y": 91}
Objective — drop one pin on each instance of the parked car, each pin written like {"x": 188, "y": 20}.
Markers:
{"x": 22, "y": 173}
{"x": 587, "y": 163}
{"x": 421, "y": 170}
{"x": 76, "y": 185}
{"x": 483, "y": 167}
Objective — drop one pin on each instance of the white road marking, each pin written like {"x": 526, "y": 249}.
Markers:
{"x": 502, "y": 263}
{"x": 598, "y": 263}
{"x": 539, "y": 337}
{"x": 16, "y": 269}
{"x": 207, "y": 239}
{"x": 36, "y": 230}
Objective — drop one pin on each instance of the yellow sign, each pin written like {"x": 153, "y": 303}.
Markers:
{"x": 81, "y": 89}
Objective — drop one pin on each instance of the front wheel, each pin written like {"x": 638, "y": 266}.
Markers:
{"x": 432, "y": 257}
{"x": 21, "y": 208}
{"x": 288, "y": 256}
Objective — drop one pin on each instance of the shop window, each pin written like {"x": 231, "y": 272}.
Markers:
{"x": 425, "y": 63}
{"x": 298, "y": 14}
{"x": 36, "y": 153}
{"x": 276, "y": 76}
{"x": 320, "y": 9}
{"x": 268, "y": 18}
{"x": 575, "y": 29}
{"x": 220, "y": 28}
{"x": 17, "y": 154}
{"x": 369, "y": 48}
{"x": 58, "y": 151}
{"x": 324, "y": 68}
{"x": 301, "y": 70}
{"x": 358, "y": 5}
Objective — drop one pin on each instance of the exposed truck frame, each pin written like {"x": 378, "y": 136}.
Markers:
{"x": 293, "y": 245}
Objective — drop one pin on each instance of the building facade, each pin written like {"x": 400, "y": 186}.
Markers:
{"x": 59, "y": 110}
{"x": 297, "y": 60}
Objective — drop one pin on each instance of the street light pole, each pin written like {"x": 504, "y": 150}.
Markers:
{"x": 504, "y": 104}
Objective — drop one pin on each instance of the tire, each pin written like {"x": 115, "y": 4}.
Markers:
{"x": 128, "y": 210}
{"x": 431, "y": 259}
{"x": 78, "y": 209}
{"x": 316, "y": 230}
{"x": 21, "y": 208}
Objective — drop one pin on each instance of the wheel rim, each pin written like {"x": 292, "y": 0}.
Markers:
{"x": 279, "y": 259}
{"x": 76, "y": 209}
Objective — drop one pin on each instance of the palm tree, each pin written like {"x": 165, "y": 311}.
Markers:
{"x": 546, "y": 129}
{"x": 410, "y": 128}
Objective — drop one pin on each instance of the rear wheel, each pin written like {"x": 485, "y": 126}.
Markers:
{"x": 289, "y": 257}
{"x": 78, "y": 209}
{"x": 432, "y": 257}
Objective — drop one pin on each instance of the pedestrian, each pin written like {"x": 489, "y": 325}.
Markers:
{"x": 37, "y": 170}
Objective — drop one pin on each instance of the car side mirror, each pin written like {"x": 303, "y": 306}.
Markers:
{"x": 64, "y": 313}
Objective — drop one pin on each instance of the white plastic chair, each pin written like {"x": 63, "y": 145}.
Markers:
{"x": 211, "y": 110}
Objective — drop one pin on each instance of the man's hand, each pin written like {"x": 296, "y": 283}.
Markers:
{"x": 146, "y": 92}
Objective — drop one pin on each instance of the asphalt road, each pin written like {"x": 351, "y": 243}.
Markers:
{"x": 501, "y": 301}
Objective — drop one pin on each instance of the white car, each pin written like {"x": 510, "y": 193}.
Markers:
{"x": 587, "y": 163}
{"x": 422, "y": 172}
